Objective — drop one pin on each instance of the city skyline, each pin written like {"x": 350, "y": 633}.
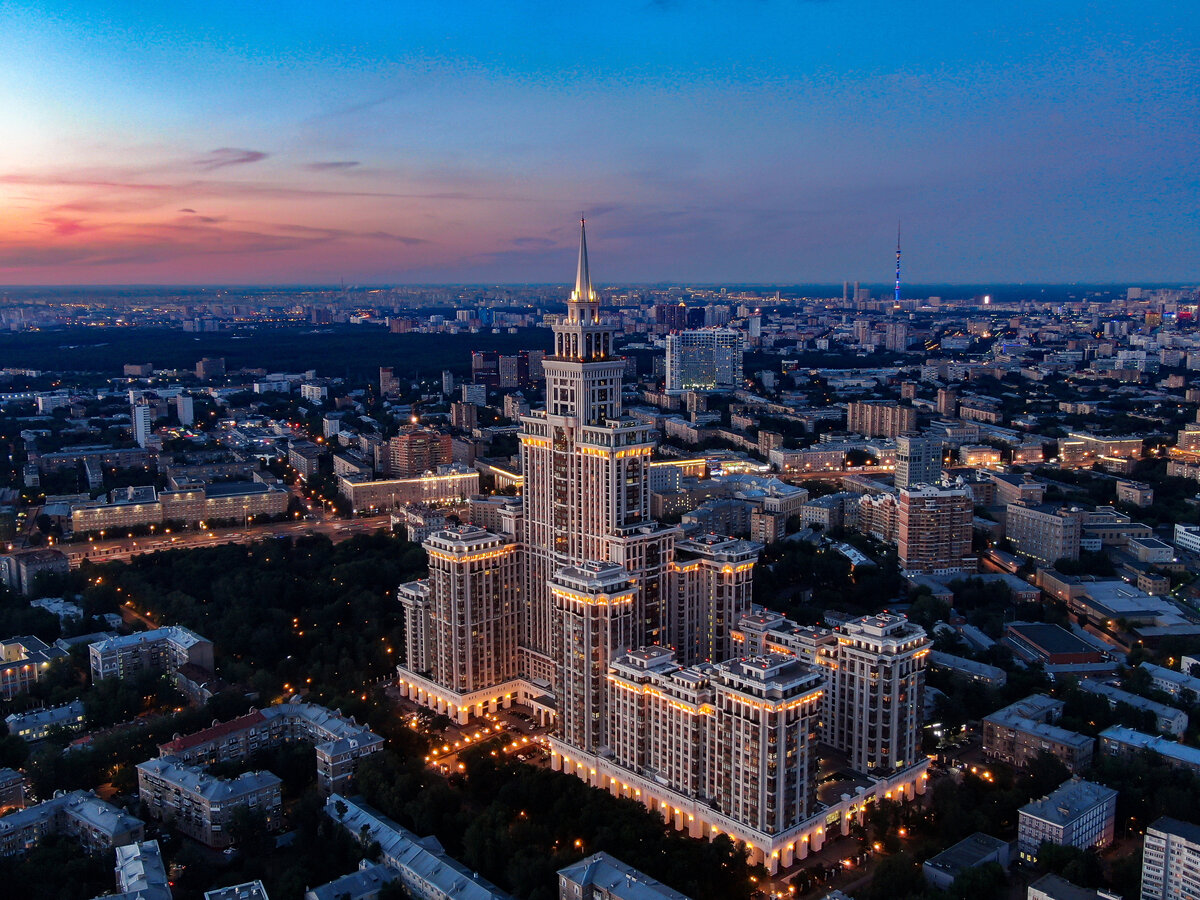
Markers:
{"x": 707, "y": 143}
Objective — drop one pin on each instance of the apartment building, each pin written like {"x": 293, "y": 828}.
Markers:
{"x": 879, "y": 516}
{"x": 413, "y": 597}
{"x": 421, "y": 865}
{"x": 1019, "y": 732}
{"x": 736, "y": 732}
{"x": 918, "y": 461}
{"x": 97, "y": 825}
{"x": 23, "y": 661}
{"x": 19, "y": 571}
{"x": 1122, "y": 743}
{"x": 704, "y": 359}
{"x": 1168, "y": 719}
{"x": 160, "y": 650}
{"x": 202, "y": 806}
{"x": 37, "y": 724}
{"x": 1017, "y": 489}
{"x": 416, "y": 451}
{"x": 305, "y": 457}
{"x": 879, "y": 418}
{"x": 339, "y": 741}
{"x": 1078, "y": 814}
{"x": 1171, "y": 860}
{"x": 713, "y": 578}
{"x": 141, "y": 873}
{"x": 1044, "y": 533}
{"x": 934, "y": 530}
{"x": 475, "y": 586}
{"x": 877, "y": 692}
{"x": 602, "y": 876}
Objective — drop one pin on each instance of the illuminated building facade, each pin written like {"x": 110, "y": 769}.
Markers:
{"x": 625, "y": 634}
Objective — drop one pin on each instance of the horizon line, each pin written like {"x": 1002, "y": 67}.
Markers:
{"x": 774, "y": 285}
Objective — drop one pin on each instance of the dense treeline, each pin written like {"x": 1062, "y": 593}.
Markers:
{"x": 359, "y": 350}
{"x": 517, "y": 825}
{"x": 803, "y": 579}
{"x": 283, "y": 616}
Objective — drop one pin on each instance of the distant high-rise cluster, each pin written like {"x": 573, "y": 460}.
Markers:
{"x": 636, "y": 643}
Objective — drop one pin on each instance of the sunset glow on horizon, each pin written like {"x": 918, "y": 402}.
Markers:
{"x": 762, "y": 141}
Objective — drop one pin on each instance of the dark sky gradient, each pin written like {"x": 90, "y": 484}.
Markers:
{"x": 747, "y": 141}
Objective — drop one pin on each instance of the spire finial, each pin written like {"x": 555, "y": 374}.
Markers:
{"x": 583, "y": 280}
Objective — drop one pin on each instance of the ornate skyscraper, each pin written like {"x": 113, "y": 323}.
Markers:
{"x": 587, "y": 492}
{"x": 631, "y": 640}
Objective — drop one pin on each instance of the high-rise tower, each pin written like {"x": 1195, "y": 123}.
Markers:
{"x": 587, "y": 492}
{"x": 897, "y": 263}
{"x": 631, "y": 641}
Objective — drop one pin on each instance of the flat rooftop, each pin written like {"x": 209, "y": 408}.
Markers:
{"x": 1049, "y": 638}
{"x": 967, "y": 853}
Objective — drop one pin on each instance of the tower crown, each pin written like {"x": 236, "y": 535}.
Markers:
{"x": 583, "y": 307}
{"x": 583, "y": 292}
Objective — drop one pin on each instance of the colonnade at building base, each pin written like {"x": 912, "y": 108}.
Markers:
{"x": 699, "y": 820}
{"x": 462, "y": 707}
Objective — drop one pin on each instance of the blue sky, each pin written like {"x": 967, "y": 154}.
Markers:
{"x": 749, "y": 141}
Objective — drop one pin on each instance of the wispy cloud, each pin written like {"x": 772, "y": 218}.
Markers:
{"x": 66, "y": 226}
{"x": 332, "y": 165}
{"x": 228, "y": 156}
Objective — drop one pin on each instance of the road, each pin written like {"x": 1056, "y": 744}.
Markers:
{"x": 124, "y": 548}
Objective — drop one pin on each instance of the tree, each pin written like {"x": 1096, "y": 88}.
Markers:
{"x": 895, "y": 876}
{"x": 986, "y": 882}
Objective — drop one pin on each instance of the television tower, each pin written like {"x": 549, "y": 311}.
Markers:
{"x": 897, "y": 262}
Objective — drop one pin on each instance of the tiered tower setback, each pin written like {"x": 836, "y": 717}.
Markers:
{"x": 625, "y": 636}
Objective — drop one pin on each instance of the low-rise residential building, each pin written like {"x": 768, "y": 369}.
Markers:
{"x": 992, "y": 676}
{"x": 23, "y": 661}
{"x": 602, "y": 876}
{"x": 1078, "y": 814}
{"x": 201, "y": 805}
{"x": 81, "y": 814}
{"x": 1123, "y": 742}
{"x": 425, "y": 869}
{"x": 160, "y": 650}
{"x": 1171, "y": 860}
{"x": 39, "y": 723}
{"x": 249, "y": 890}
{"x": 141, "y": 874}
{"x": 1018, "y": 733}
{"x": 12, "y": 790}
{"x": 339, "y": 741}
{"x": 19, "y": 571}
{"x": 363, "y": 884}
{"x": 1174, "y": 683}
{"x": 65, "y": 610}
{"x": 1168, "y": 719}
